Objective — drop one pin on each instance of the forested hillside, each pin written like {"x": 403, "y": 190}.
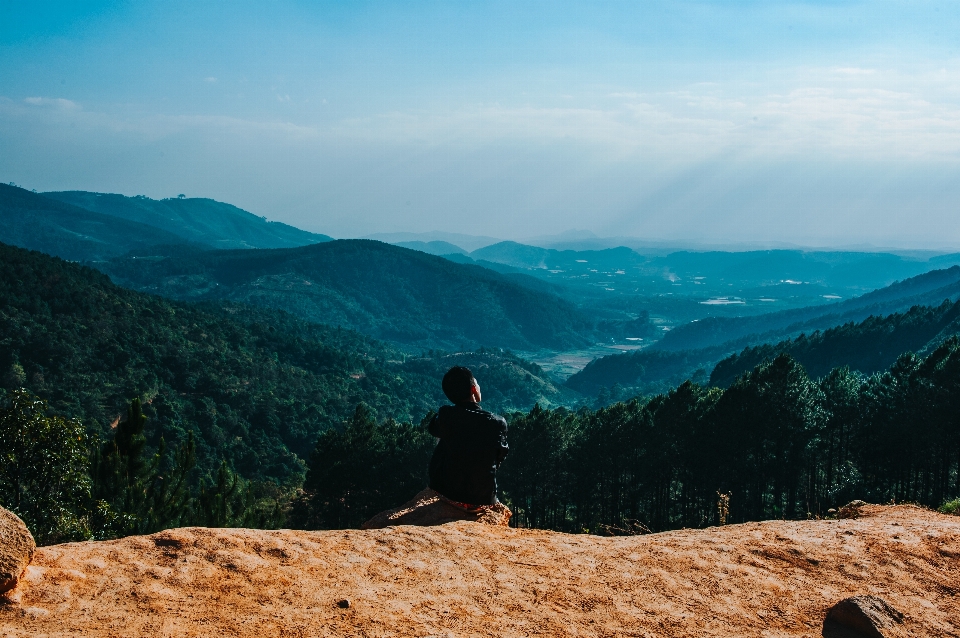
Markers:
{"x": 255, "y": 386}
{"x": 388, "y": 292}
{"x": 56, "y": 228}
{"x": 201, "y": 220}
{"x": 646, "y": 371}
{"x": 869, "y": 346}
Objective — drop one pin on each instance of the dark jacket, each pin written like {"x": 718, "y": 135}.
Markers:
{"x": 473, "y": 443}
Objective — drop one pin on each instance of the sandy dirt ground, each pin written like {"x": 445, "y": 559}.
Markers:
{"x": 775, "y": 578}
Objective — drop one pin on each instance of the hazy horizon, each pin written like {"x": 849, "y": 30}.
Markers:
{"x": 807, "y": 124}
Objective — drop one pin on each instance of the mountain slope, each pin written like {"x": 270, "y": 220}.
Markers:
{"x": 200, "y": 220}
{"x": 255, "y": 386}
{"x": 432, "y": 247}
{"x": 57, "y": 228}
{"x": 867, "y": 347}
{"x": 385, "y": 291}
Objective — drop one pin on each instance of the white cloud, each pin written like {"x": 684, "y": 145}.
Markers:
{"x": 837, "y": 111}
{"x": 853, "y": 112}
{"x": 854, "y": 71}
{"x": 58, "y": 102}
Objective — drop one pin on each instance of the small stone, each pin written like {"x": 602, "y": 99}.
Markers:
{"x": 343, "y": 604}
{"x": 16, "y": 549}
{"x": 861, "y": 617}
{"x": 851, "y": 509}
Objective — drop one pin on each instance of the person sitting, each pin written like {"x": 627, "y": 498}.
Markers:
{"x": 472, "y": 445}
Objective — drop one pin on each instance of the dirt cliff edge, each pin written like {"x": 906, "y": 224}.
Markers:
{"x": 775, "y": 578}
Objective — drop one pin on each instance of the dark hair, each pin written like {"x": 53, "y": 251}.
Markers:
{"x": 457, "y": 383}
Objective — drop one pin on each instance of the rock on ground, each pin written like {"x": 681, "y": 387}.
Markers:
{"x": 428, "y": 508}
{"x": 16, "y": 549}
{"x": 772, "y": 579}
{"x": 862, "y": 617}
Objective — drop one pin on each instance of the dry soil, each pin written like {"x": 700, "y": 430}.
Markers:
{"x": 775, "y": 578}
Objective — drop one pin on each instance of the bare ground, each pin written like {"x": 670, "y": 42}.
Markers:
{"x": 774, "y": 578}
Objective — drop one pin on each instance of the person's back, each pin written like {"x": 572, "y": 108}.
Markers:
{"x": 473, "y": 443}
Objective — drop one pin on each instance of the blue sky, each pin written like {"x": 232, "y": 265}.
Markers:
{"x": 817, "y": 123}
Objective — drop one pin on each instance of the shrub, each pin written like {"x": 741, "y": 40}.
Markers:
{"x": 43, "y": 469}
{"x": 950, "y": 507}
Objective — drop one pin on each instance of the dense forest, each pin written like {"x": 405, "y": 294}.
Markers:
{"x": 126, "y": 413}
{"x": 385, "y": 291}
{"x": 775, "y": 444}
{"x": 254, "y": 386}
{"x": 779, "y": 444}
{"x": 869, "y": 346}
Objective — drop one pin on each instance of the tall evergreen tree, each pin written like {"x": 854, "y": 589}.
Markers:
{"x": 363, "y": 468}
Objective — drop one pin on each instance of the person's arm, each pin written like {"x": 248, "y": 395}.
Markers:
{"x": 434, "y": 426}
{"x": 502, "y": 447}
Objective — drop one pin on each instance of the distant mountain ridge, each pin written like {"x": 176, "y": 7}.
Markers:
{"x": 385, "y": 291}
{"x": 461, "y": 240}
{"x": 437, "y": 247}
{"x": 753, "y": 269}
{"x": 57, "y": 228}
{"x": 618, "y": 283}
{"x": 201, "y": 220}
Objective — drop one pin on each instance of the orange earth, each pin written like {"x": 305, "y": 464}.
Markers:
{"x": 775, "y": 578}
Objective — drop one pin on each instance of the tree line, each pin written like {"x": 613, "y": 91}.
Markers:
{"x": 775, "y": 444}
{"x": 67, "y": 484}
{"x": 868, "y": 346}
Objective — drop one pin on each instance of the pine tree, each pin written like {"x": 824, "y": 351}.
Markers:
{"x": 145, "y": 498}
